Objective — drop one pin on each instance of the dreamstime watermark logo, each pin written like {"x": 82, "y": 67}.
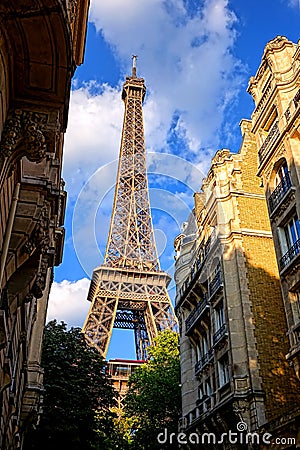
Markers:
{"x": 239, "y": 436}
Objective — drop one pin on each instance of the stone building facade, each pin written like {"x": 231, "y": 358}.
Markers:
{"x": 230, "y": 308}
{"x": 41, "y": 43}
{"x": 276, "y": 124}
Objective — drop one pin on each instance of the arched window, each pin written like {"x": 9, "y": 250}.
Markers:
{"x": 282, "y": 174}
{"x": 282, "y": 184}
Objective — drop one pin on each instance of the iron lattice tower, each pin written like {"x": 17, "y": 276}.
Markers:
{"x": 129, "y": 290}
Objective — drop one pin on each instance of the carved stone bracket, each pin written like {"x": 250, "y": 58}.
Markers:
{"x": 40, "y": 238}
{"x": 71, "y": 7}
{"x": 26, "y": 128}
{"x": 240, "y": 408}
{"x": 40, "y": 281}
{"x": 221, "y": 156}
{"x": 40, "y": 241}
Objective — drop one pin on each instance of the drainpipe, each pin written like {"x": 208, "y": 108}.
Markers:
{"x": 8, "y": 231}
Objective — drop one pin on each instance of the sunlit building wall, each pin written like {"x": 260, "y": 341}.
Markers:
{"x": 233, "y": 328}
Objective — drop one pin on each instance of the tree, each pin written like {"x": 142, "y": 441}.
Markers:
{"x": 153, "y": 396}
{"x": 78, "y": 394}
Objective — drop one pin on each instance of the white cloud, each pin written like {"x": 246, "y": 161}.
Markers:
{"x": 186, "y": 59}
{"x": 294, "y": 3}
{"x": 191, "y": 75}
{"x": 172, "y": 184}
{"x": 68, "y": 302}
{"x": 93, "y": 134}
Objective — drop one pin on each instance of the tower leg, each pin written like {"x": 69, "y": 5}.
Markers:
{"x": 99, "y": 323}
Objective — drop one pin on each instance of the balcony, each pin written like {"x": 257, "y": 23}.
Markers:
{"x": 296, "y": 99}
{"x": 206, "y": 359}
{"x": 205, "y": 405}
{"x": 279, "y": 193}
{"x": 215, "y": 284}
{"x": 270, "y": 139}
{"x": 291, "y": 112}
{"x": 288, "y": 257}
{"x": 195, "y": 270}
{"x": 196, "y": 313}
{"x": 220, "y": 334}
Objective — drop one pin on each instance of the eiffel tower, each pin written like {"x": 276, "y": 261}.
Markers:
{"x": 129, "y": 290}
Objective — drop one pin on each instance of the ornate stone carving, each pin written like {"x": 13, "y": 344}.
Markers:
{"x": 262, "y": 69}
{"x": 28, "y": 298}
{"x": 29, "y": 247}
{"x": 71, "y": 7}
{"x": 40, "y": 281}
{"x": 40, "y": 238}
{"x": 276, "y": 43}
{"x": 26, "y": 128}
{"x": 42, "y": 233}
{"x": 221, "y": 156}
{"x": 240, "y": 408}
{"x": 40, "y": 241}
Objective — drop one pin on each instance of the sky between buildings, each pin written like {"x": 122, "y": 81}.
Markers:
{"x": 196, "y": 58}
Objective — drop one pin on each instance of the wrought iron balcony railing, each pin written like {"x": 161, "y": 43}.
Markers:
{"x": 296, "y": 99}
{"x": 220, "y": 333}
{"x": 271, "y": 137}
{"x": 196, "y": 313}
{"x": 274, "y": 132}
{"x": 196, "y": 268}
{"x": 279, "y": 192}
{"x": 289, "y": 255}
{"x": 204, "y": 360}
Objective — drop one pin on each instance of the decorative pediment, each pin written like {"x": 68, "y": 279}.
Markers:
{"x": 221, "y": 156}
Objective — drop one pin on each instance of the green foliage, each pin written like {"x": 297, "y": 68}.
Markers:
{"x": 120, "y": 437}
{"x": 78, "y": 395}
{"x": 153, "y": 397}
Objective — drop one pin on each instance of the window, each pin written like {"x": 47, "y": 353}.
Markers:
{"x": 198, "y": 350}
{"x": 223, "y": 368}
{"x": 281, "y": 174}
{"x": 202, "y": 347}
{"x": 292, "y": 231}
{"x": 282, "y": 185}
{"x": 215, "y": 271}
{"x": 200, "y": 392}
{"x": 289, "y": 237}
{"x": 204, "y": 344}
{"x": 219, "y": 316}
{"x": 207, "y": 387}
{"x": 297, "y": 295}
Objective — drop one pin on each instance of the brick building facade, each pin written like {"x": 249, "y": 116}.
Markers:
{"x": 233, "y": 326}
{"x": 276, "y": 124}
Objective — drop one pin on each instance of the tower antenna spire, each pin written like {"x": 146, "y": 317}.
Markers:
{"x": 134, "y": 58}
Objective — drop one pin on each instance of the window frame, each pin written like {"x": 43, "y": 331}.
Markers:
{"x": 224, "y": 370}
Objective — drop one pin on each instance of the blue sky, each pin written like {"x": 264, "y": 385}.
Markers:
{"x": 196, "y": 57}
